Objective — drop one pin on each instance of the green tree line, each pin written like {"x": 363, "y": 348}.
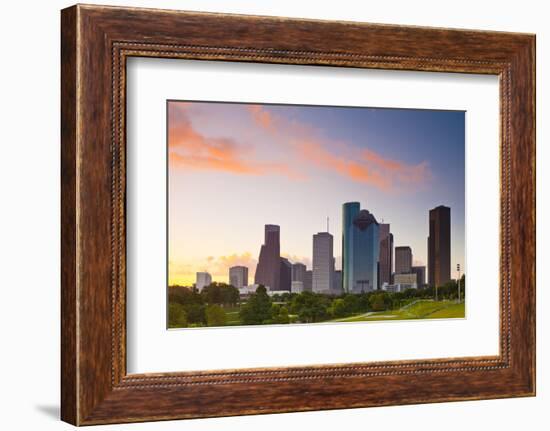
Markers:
{"x": 188, "y": 308}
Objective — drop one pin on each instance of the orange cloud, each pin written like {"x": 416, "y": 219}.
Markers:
{"x": 192, "y": 150}
{"x": 363, "y": 166}
{"x": 315, "y": 153}
{"x": 262, "y": 117}
{"x": 222, "y": 264}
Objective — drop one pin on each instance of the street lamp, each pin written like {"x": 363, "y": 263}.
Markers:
{"x": 458, "y": 269}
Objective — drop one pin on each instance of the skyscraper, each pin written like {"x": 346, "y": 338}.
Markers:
{"x": 298, "y": 272}
{"x": 285, "y": 277}
{"x": 439, "y": 246}
{"x": 323, "y": 262}
{"x": 337, "y": 283}
{"x": 308, "y": 281}
{"x": 386, "y": 255}
{"x": 203, "y": 279}
{"x": 349, "y": 212}
{"x": 268, "y": 270}
{"x": 420, "y": 272}
{"x": 403, "y": 260}
{"x": 238, "y": 276}
{"x": 360, "y": 249}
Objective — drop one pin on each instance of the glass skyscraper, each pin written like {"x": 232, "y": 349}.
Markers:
{"x": 360, "y": 249}
{"x": 349, "y": 212}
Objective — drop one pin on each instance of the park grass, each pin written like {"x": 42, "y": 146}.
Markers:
{"x": 421, "y": 309}
{"x": 452, "y": 311}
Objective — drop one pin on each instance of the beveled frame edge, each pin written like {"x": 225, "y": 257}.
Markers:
{"x": 95, "y": 43}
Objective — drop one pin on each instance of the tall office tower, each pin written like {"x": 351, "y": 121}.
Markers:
{"x": 403, "y": 260}
{"x": 386, "y": 255}
{"x": 268, "y": 270}
{"x": 349, "y": 212}
{"x": 360, "y": 249}
{"x": 323, "y": 262}
{"x": 337, "y": 283}
{"x": 203, "y": 279}
{"x": 439, "y": 246}
{"x": 308, "y": 281}
{"x": 238, "y": 276}
{"x": 285, "y": 277}
{"x": 420, "y": 272}
{"x": 298, "y": 272}
{"x": 366, "y": 252}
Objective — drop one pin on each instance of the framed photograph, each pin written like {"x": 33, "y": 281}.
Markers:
{"x": 263, "y": 214}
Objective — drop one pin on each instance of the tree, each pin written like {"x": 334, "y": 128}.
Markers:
{"x": 396, "y": 299}
{"x": 377, "y": 302}
{"x": 191, "y": 301}
{"x": 257, "y": 309}
{"x": 215, "y": 315}
{"x": 353, "y": 303}
{"x": 220, "y": 293}
{"x": 196, "y": 314}
{"x": 177, "y": 317}
{"x": 282, "y": 316}
{"x": 230, "y": 295}
{"x": 310, "y": 307}
{"x": 183, "y": 295}
{"x": 338, "y": 308}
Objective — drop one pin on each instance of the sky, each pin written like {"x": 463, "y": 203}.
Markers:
{"x": 232, "y": 168}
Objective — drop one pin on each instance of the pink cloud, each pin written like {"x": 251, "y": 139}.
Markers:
{"x": 315, "y": 153}
{"x": 364, "y": 166}
{"x": 190, "y": 149}
{"x": 262, "y": 117}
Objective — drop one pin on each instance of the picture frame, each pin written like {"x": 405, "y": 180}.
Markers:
{"x": 96, "y": 42}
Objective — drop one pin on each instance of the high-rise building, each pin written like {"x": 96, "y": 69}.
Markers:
{"x": 386, "y": 255}
{"x": 298, "y": 271}
{"x": 349, "y": 212}
{"x": 203, "y": 279}
{"x": 360, "y": 249}
{"x": 337, "y": 283}
{"x": 403, "y": 260}
{"x": 308, "y": 281}
{"x": 238, "y": 276}
{"x": 268, "y": 270}
{"x": 285, "y": 277}
{"x": 420, "y": 272}
{"x": 297, "y": 287}
{"x": 323, "y": 262}
{"x": 439, "y": 246}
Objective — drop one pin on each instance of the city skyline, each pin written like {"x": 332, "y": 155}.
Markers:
{"x": 369, "y": 253}
{"x": 294, "y": 166}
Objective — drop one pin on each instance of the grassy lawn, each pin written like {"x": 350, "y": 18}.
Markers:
{"x": 455, "y": 310}
{"x": 421, "y": 309}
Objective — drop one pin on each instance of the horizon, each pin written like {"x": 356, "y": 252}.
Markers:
{"x": 234, "y": 168}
